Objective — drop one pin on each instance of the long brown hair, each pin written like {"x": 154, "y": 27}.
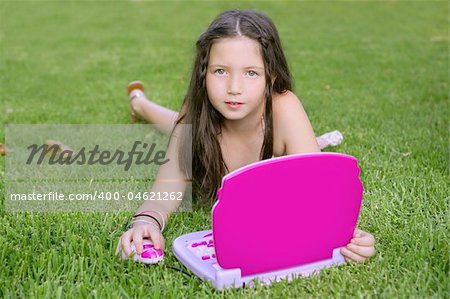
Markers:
{"x": 208, "y": 166}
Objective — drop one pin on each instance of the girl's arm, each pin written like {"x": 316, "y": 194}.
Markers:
{"x": 292, "y": 126}
{"x": 169, "y": 179}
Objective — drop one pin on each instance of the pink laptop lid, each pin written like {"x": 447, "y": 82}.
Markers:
{"x": 286, "y": 211}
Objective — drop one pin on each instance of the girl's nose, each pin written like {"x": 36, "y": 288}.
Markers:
{"x": 234, "y": 85}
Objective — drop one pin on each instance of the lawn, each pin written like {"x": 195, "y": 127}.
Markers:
{"x": 376, "y": 71}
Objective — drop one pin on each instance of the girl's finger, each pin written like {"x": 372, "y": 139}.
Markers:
{"x": 126, "y": 243}
{"x": 138, "y": 235}
{"x": 365, "y": 239}
{"x": 156, "y": 239}
{"x": 357, "y": 233}
{"x": 364, "y": 251}
{"x": 351, "y": 256}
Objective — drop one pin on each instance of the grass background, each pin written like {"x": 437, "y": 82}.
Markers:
{"x": 376, "y": 71}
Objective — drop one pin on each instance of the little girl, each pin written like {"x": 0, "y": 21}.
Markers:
{"x": 242, "y": 110}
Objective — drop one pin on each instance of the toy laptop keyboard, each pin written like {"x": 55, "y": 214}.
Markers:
{"x": 277, "y": 219}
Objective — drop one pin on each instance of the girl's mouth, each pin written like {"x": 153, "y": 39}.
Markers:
{"x": 234, "y": 104}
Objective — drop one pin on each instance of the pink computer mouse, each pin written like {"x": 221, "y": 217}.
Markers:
{"x": 150, "y": 255}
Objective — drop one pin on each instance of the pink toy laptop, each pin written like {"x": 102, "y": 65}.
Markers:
{"x": 277, "y": 219}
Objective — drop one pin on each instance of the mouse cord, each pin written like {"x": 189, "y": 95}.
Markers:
{"x": 190, "y": 275}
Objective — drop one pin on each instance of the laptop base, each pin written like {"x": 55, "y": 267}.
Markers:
{"x": 196, "y": 251}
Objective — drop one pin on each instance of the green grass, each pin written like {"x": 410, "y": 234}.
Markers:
{"x": 386, "y": 64}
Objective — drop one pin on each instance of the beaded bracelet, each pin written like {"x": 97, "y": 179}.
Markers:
{"x": 149, "y": 216}
{"x": 140, "y": 220}
{"x": 160, "y": 214}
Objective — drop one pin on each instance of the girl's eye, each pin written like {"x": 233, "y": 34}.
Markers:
{"x": 220, "y": 71}
{"x": 252, "y": 74}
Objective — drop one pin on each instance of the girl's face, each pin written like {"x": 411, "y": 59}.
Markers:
{"x": 235, "y": 78}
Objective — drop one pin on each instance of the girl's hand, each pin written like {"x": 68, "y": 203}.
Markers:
{"x": 361, "y": 247}
{"x": 138, "y": 232}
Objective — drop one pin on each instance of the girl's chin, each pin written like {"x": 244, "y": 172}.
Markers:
{"x": 233, "y": 116}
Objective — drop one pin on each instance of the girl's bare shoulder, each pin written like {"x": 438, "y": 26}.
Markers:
{"x": 281, "y": 100}
{"x": 292, "y": 128}
{"x": 285, "y": 107}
